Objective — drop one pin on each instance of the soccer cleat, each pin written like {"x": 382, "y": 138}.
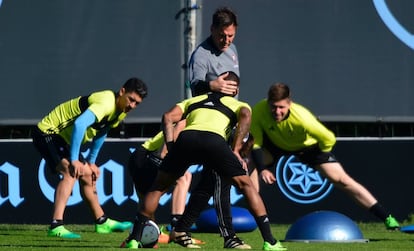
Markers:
{"x": 165, "y": 237}
{"x": 391, "y": 223}
{"x": 183, "y": 239}
{"x": 132, "y": 244}
{"x": 62, "y": 232}
{"x": 236, "y": 243}
{"x": 110, "y": 226}
{"x": 276, "y": 247}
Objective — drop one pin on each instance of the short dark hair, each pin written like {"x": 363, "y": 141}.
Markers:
{"x": 136, "y": 85}
{"x": 232, "y": 76}
{"x": 278, "y": 91}
{"x": 224, "y": 17}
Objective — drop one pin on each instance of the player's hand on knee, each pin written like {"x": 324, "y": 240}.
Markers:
{"x": 94, "y": 169}
{"x": 267, "y": 176}
{"x": 76, "y": 169}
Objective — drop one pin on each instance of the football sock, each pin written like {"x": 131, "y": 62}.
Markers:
{"x": 378, "y": 210}
{"x": 197, "y": 203}
{"x": 174, "y": 219}
{"x": 56, "y": 223}
{"x": 264, "y": 226}
{"x": 101, "y": 219}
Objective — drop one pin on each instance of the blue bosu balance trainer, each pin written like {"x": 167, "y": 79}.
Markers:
{"x": 324, "y": 226}
{"x": 243, "y": 221}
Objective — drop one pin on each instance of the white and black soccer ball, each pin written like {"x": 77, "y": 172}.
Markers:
{"x": 150, "y": 234}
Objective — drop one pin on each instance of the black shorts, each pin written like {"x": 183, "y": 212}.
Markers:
{"x": 311, "y": 155}
{"x": 314, "y": 156}
{"x": 205, "y": 148}
{"x": 52, "y": 147}
{"x": 143, "y": 168}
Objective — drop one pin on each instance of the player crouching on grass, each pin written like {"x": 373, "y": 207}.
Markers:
{"x": 59, "y": 136}
{"x": 143, "y": 167}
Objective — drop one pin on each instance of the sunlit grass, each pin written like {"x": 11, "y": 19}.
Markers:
{"x": 33, "y": 237}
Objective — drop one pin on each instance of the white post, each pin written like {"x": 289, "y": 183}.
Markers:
{"x": 190, "y": 28}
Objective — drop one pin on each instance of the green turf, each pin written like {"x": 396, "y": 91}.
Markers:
{"x": 33, "y": 237}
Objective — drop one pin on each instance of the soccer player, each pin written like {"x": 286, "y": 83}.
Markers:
{"x": 209, "y": 119}
{"x": 143, "y": 167}
{"x": 281, "y": 126}
{"x": 59, "y": 137}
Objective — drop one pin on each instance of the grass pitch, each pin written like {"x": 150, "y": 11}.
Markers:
{"x": 33, "y": 237}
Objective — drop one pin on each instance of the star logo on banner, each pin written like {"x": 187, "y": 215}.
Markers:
{"x": 304, "y": 176}
{"x": 300, "y": 182}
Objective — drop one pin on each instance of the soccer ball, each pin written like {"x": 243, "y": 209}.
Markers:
{"x": 150, "y": 234}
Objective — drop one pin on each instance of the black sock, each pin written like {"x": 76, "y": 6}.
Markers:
{"x": 101, "y": 219}
{"x": 197, "y": 203}
{"x": 378, "y": 210}
{"x": 264, "y": 226}
{"x": 137, "y": 228}
{"x": 174, "y": 219}
{"x": 56, "y": 223}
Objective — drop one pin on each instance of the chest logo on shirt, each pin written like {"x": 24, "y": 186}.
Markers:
{"x": 299, "y": 182}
